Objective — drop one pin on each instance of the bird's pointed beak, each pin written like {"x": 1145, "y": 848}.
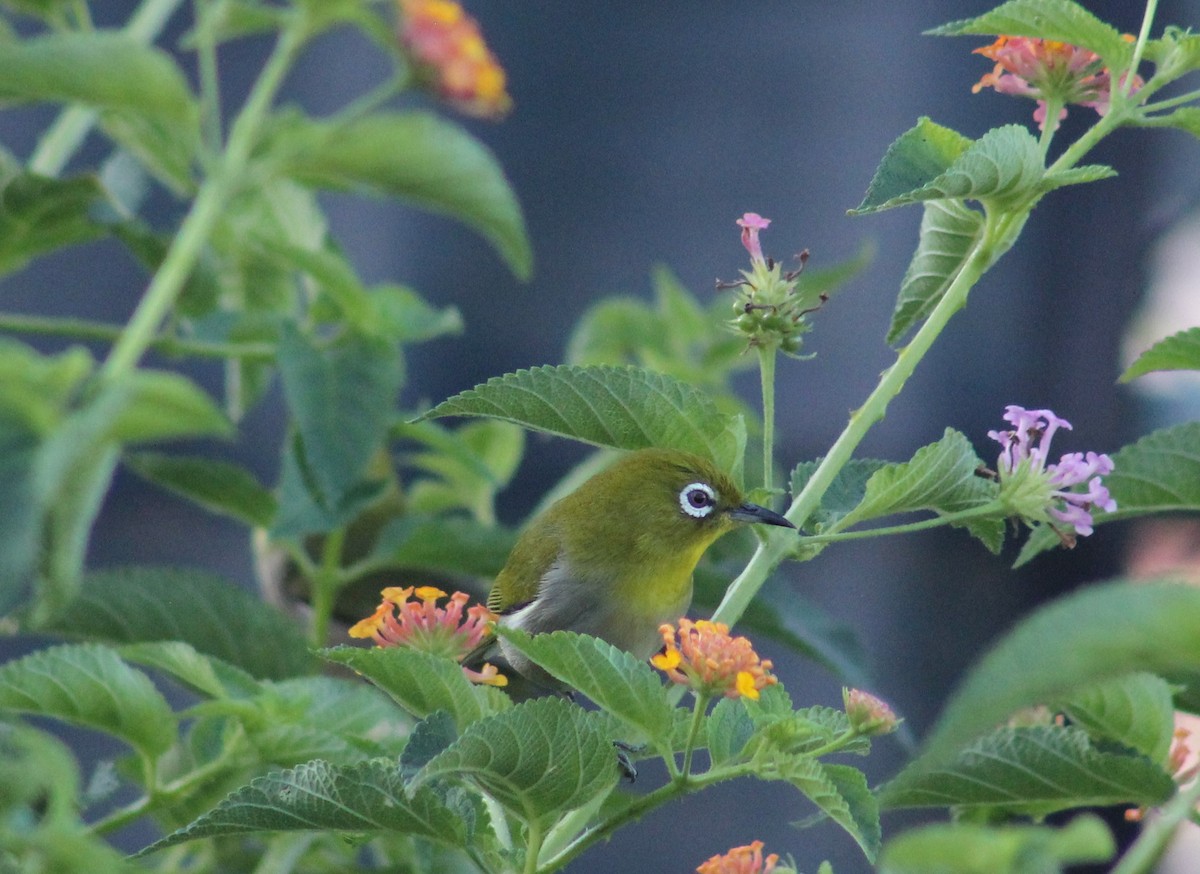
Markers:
{"x": 754, "y": 513}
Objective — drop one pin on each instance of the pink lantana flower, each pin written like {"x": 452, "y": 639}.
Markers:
{"x": 404, "y": 620}
{"x": 751, "y": 223}
{"x": 707, "y": 659}
{"x": 741, "y": 860}
{"x": 1041, "y": 492}
{"x": 1047, "y": 69}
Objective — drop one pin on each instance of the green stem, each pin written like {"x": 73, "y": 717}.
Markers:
{"x": 63, "y": 138}
{"x": 1124, "y": 87}
{"x": 533, "y": 846}
{"x": 1152, "y": 843}
{"x": 766, "y": 368}
{"x": 81, "y": 329}
{"x": 689, "y": 746}
{"x": 210, "y": 203}
{"x": 1169, "y": 103}
{"x": 210, "y": 88}
{"x": 999, "y": 233}
{"x": 325, "y": 585}
{"x": 992, "y": 508}
{"x": 283, "y": 853}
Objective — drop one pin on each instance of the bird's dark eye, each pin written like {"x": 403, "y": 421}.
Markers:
{"x": 697, "y": 500}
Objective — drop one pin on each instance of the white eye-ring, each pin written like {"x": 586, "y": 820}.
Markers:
{"x": 697, "y": 500}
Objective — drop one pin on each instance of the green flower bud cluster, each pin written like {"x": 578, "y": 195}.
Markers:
{"x": 767, "y": 309}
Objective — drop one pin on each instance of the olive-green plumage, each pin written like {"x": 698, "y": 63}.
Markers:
{"x": 615, "y": 558}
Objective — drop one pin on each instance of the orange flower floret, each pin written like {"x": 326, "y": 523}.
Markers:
{"x": 449, "y": 52}
{"x": 741, "y": 860}
{"x": 711, "y": 662}
{"x": 410, "y": 617}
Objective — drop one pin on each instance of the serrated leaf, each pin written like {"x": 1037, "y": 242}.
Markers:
{"x": 727, "y": 731}
{"x": 145, "y": 98}
{"x": 429, "y": 737}
{"x": 917, "y": 157}
{"x": 1077, "y": 176}
{"x": 1159, "y": 473}
{"x": 620, "y": 684}
{"x": 341, "y": 395}
{"x": 1180, "y": 351}
{"x": 1003, "y": 164}
{"x": 205, "y": 674}
{"x": 540, "y": 759}
{"x": 219, "y": 486}
{"x": 840, "y": 792}
{"x": 1047, "y": 19}
{"x": 949, "y": 232}
{"x": 619, "y": 407}
{"x": 141, "y": 604}
{"x": 846, "y": 492}
{"x": 1134, "y": 710}
{"x": 1099, "y": 633}
{"x": 422, "y": 158}
{"x": 1032, "y": 771}
{"x": 967, "y": 848}
{"x": 39, "y": 215}
{"x": 808, "y": 730}
{"x": 89, "y": 685}
{"x": 419, "y": 682}
{"x": 159, "y": 405}
{"x": 941, "y": 477}
{"x": 366, "y": 797}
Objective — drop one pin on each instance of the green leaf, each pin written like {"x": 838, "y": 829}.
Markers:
{"x": 840, "y": 792}
{"x": 159, "y": 405}
{"x": 846, "y": 492}
{"x": 419, "y": 682}
{"x": 941, "y": 477}
{"x": 141, "y": 604}
{"x": 950, "y": 230}
{"x": 219, "y": 486}
{"x": 727, "y": 731}
{"x": 806, "y": 731}
{"x": 966, "y": 848}
{"x": 1159, "y": 473}
{"x": 468, "y": 466}
{"x": 89, "y": 685}
{"x": 1047, "y": 19}
{"x": 620, "y": 684}
{"x": 204, "y": 674}
{"x": 620, "y": 407}
{"x": 402, "y": 315}
{"x": 1077, "y": 176}
{"x": 1034, "y": 772}
{"x": 367, "y": 797}
{"x": 419, "y": 157}
{"x": 1135, "y": 710}
{"x": 1102, "y": 632}
{"x": 146, "y": 103}
{"x": 1002, "y": 165}
{"x": 341, "y": 395}
{"x": 917, "y": 157}
{"x": 1180, "y": 351}
{"x": 39, "y": 215}
{"x": 540, "y": 759}
{"x": 443, "y": 544}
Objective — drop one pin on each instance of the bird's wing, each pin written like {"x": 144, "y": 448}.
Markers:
{"x": 520, "y": 580}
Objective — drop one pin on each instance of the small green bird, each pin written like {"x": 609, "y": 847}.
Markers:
{"x": 614, "y": 559}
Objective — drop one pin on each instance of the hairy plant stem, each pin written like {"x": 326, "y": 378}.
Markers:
{"x": 1157, "y": 833}
{"x": 689, "y": 746}
{"x": 206, "y": 210}
{"x": 992, "y": 508}
{"x": 1000, "y": 231}
{"x": 766, "y": 369}
{"x": 63, "y": 138}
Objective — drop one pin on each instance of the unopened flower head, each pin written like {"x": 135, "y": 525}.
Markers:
{"x": 741, "y": 860}
{"x": 868, "y": 715}
{"x": 449, "y": 53}
{"x": 1047, "y": 69}
{"x": 768, "y": 308}
{"x": 1039, "y": 492}
{"x": 410, "y": 617}
{"x": 707, "y": 659}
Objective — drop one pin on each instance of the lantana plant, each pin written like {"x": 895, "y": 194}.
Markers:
{"x": 290, "y": 746}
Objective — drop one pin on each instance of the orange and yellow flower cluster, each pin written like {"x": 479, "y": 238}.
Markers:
{"x": 410, "y": 617}
{"x": 741, "y": 860}
{"x": 708, "y": 660}
{"x": 448, "y": 51}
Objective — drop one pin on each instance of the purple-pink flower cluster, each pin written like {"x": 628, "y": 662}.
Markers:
{"x": 1028, "y": 444}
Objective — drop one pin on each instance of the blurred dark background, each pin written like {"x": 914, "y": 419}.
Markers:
{"x": 641, "y": 131}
